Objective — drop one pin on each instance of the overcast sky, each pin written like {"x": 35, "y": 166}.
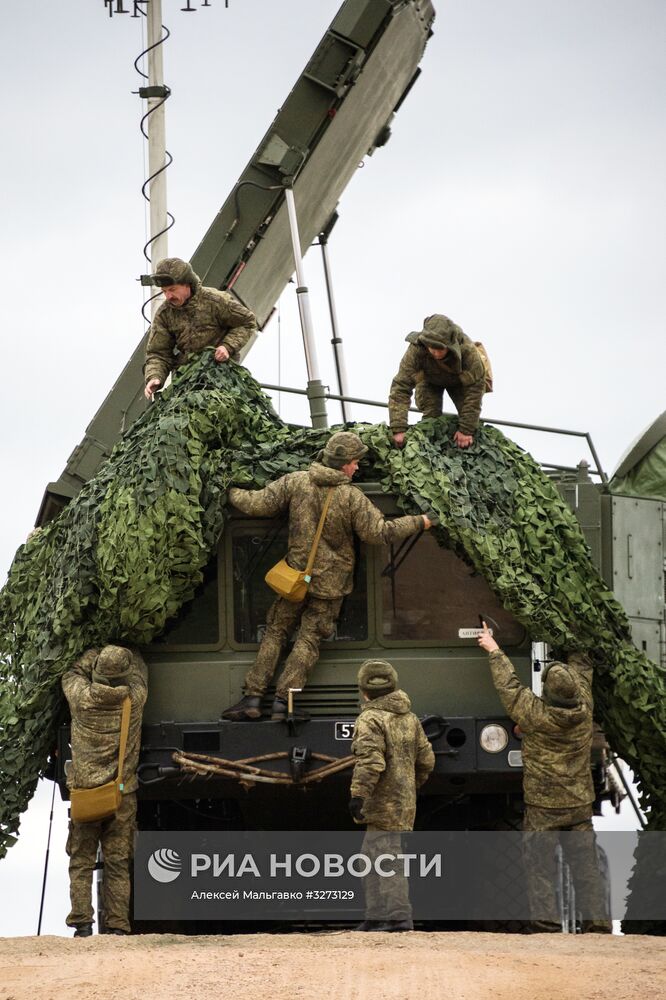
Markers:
{"x": 522, "y": 194}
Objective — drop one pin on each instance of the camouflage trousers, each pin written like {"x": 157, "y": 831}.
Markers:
{"x": 317, "y": 618}
{"x": 116, "y": 838}
{"x": 545, "y": 850}
{"x": 429, "y": 399}
{"x": 386, "y": 896}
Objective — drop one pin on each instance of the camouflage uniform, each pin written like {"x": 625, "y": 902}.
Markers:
{"x": 350, "y": 513}
{"x": 557, "y": 783}
{"x": 461, "y": 373}
{"x": 393, "y": 760}
{"x": 208, "y": 318}
{"x": 95, "y": 688}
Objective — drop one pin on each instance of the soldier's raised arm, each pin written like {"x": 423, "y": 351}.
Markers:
{"x": 272, "y": 500}
{"x": 371, "y": 527}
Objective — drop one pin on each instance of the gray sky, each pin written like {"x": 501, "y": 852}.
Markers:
{"x": 522, "y": 194}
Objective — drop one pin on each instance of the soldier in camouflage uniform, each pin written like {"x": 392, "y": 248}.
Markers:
{"x": 393, "y": 760}
{"x": 193, "y": 317}
{"x": 96, "y": 688}
{"x": 350, "y": 513}
{"x": 558, "y": 790}
{"x": 439, "y": 357}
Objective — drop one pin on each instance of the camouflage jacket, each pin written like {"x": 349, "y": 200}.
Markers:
{"x": 349, "y": 513}
{"x": 557, "y": 742}
{"x": 95, "y": 733}
{"x": 208, "y": 318}
{"x": 393, "y": 759}
{"x": 462, "y": 369}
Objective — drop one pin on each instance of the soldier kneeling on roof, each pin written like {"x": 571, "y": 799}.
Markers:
{"x": 440, "y": 356}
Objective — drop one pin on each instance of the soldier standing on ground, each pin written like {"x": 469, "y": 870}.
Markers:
{"x": 350, "y": 513}
{"x": 557, "y": 780}
{"x": 439, "y": 357}
{"x": 193, "y": 317}
{"x": 96, "y": 688}
{"x": 393, "y": 760}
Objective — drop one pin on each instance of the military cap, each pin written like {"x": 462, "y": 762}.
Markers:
{"x": 112, "y": 666}
{"x": 560, "y": 686}
{"x": 342, "y": 448}
{"x": 437, "y": 331}
{"x": 377, "y": 677}
{"x": 174, "y": 271}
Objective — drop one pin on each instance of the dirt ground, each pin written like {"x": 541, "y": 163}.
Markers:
{"x": 344, "y": 965}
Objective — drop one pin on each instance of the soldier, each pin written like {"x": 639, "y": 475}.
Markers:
{"x": 558, "y": 789}
{"x": 350, "y": 513}
{"x": 439, "y": 357}
{"x": 393, "y": 760}
{"x": 96, "y": 688}
{"x": 193, "y": 317}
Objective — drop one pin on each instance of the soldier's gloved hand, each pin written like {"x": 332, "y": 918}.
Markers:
{"x": 356, "y": 809}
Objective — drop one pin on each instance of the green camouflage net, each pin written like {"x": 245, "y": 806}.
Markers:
{"x": 130, "y": 549}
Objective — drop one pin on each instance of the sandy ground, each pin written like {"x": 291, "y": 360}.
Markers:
{"x": 344, "y": 965}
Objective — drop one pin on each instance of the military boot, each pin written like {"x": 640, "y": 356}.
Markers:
{"x": 368, "y": 925}
{"x": 249, "y": 707}
{"x": 83, "y": 930}
{"x": 395, "y": 925}
{"x": 278, "y": 710}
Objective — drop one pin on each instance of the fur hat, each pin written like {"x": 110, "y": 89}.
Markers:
{"x": 112, "y": 666}
{"x": 377, "y": 677}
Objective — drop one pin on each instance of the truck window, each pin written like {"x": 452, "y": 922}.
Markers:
{"x": 431, "y": 593}
{"x": 254, "y": 549}
{"x": 198, "y": 621}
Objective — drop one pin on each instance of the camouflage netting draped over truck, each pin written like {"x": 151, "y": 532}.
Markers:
{"x": 126, "y": 554}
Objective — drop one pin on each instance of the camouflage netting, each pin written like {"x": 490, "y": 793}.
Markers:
{"x": 126, "y": 554}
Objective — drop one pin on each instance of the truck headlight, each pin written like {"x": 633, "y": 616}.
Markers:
{"x": 494, "y": 738}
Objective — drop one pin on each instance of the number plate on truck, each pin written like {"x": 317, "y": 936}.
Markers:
{"x": 344, "y": 730}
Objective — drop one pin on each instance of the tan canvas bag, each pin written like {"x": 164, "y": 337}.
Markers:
{"x": 290, "y": 583}
{"x": 90, "y": 805}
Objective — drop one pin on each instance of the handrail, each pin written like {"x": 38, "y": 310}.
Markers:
{"x": 596, "y": 471}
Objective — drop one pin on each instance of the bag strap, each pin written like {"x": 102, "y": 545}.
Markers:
{"x": 320, "y": 528}
{"x": 124, "y": 730}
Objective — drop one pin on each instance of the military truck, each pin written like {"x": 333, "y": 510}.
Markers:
{"x": 410, "y": 603}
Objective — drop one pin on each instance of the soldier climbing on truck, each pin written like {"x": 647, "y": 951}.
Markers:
{"x": 351, "y": 513}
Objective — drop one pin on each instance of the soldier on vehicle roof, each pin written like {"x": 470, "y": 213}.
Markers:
{"x": 193, "y": 317}
{"x": 393, "y": 760}
{"x": 350, "y": 513}
{"x": 96, "y": 687}
{"x": 440, "y": 357}
{"x": 558, "y": 789}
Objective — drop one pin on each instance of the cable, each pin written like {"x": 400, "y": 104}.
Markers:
{"x": 164, "y": 93}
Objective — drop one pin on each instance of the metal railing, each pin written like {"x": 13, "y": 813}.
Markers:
{"x": 594, "y": 471}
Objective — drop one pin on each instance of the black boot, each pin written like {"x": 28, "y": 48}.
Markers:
{"x": 279, "y": 710}
{"x": 396, "y": 925}
{"x": 249, "y": 707}
{"x": 83, "y": 930}
{"x": 368, "y": 925}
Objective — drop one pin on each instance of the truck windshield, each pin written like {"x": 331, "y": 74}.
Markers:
{"x": 429, "y": 593}
{"x": 255, "y": 548}
{"x": 198, "y": 621}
